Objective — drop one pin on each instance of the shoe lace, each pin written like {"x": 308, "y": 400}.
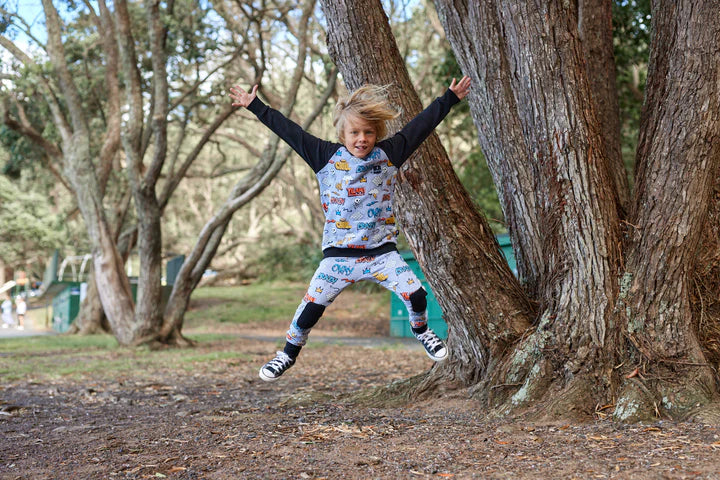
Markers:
{"x": 280, "y": 362}
{"x": 429, "y": 339}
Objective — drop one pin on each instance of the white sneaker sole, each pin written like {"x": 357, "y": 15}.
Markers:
{"x": 435, "y": 358}
{"x": 267, "y": 378}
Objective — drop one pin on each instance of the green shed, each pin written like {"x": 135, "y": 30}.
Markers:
{"x": 65, "y": 307}
{"x": 399, "y": 324}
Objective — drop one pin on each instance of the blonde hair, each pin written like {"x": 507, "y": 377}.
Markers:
{"x": 368, "y": 102}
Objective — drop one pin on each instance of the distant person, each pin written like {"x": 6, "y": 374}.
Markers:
{"x": 20, "y": 310}
{"x": 7, "y": 316}
{"x": 357, "y": 181}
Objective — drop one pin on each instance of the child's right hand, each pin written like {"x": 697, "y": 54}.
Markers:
{"x": 240, "y": 97}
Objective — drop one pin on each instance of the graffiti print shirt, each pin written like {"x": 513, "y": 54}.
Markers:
{"x": 357, "y": 193}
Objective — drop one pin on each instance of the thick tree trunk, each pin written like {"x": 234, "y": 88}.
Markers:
{"x": 452, "y": 242}
{"x": 149, "y": 306}
{"x": 677, "y": 166}
{"x": 543, "y": 143}
{"x": 705, "y": 285}
{"x": 528, "y": 67}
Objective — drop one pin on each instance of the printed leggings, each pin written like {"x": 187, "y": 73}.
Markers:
{"x": 336, "y": 273}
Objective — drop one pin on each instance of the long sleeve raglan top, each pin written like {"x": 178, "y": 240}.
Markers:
{"x": 357, "y": 193}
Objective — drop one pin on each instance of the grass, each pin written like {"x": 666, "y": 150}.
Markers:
{"x": 248, "y": 303}
{"x": 54, "y": 357}
{"x": 51, "y": 357}
{"x": 46, "y": 358}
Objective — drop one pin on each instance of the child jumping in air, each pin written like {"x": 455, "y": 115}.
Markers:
{"x": 357, "y": 180}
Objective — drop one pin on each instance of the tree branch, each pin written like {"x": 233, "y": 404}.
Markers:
{"x": 60, "y": 120}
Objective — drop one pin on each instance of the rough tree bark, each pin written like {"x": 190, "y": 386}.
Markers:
{"x": 532, "y": 89}
{"x": 451, "y": 240}
{"x": 676, "y": 173}
{"x": 595, "y": 28}
{"x": 706, "y": 283}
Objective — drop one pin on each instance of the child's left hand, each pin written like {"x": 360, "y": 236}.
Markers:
{"x": 461, "y": 88}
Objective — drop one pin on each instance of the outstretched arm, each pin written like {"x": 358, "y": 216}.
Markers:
{"x": 314, "y": 151}
{"x": 406, "y": 141}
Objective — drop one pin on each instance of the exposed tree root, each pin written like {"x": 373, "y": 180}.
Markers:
{"x": 708, "y": 414}
{"x": 575, "y": 401}
{"x": 306, "y": 399}
{"x": 394, "y": 394}
{"x": 636, "y": 403}
{"x": 175, "y": 340}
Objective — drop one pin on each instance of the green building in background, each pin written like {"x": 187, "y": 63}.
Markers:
{"x": 399, "y": 325}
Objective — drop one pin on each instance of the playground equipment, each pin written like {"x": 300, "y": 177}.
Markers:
{"x": 64, "y": 284}
{"x": 7, "y": 286}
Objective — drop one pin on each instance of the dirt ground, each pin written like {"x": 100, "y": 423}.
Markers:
{"x": 220, "y": 421}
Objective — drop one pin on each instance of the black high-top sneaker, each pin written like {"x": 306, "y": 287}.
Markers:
{"x": 276, "y": 367}
{"x": 434, "y": 346}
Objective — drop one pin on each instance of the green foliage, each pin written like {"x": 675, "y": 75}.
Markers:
{"x": 289, "y": 261}
{"x": 27, "y": 223}
{"x": 22, "y": 154}
{"x": 475, "y": 177}
{"x": 473, "y": 172}
{"x": 20, "y": 150}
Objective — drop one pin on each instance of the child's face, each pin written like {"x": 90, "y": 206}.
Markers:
{"x": 359, "y": 136}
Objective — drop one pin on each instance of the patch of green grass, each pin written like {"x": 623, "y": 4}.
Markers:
{"x": 257, "y": 302}
{"x": 58, "y": 356}
{"x": 48, "y": 343}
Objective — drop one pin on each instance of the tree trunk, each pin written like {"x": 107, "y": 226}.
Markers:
{"x": 543, "y": 144}
{"x": 452, "y": 242}
{"x": 143, "y": 179}
{"x": 676, "y": 172}
{"x": 91, "y": 318}
{"x": 532, "y": 89}
{"x": 706, "y": 283}
{"x": 112, "y": 283}
{"x": 149, "y": 306}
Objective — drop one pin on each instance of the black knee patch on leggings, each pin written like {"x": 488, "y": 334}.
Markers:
{"x": 310, "y": 315}
{"x": 418, "y": 300}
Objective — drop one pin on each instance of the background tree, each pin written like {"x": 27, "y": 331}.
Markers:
{"x": 194, "y": 94}
{"x": 270, "y": 162}
{"x": 30, "y": 230}
{"x": 74, "y": 150}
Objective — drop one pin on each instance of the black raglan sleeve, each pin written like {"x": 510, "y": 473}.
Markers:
{"x": 401, "y": 145}
{"x": 314, "y": 151}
